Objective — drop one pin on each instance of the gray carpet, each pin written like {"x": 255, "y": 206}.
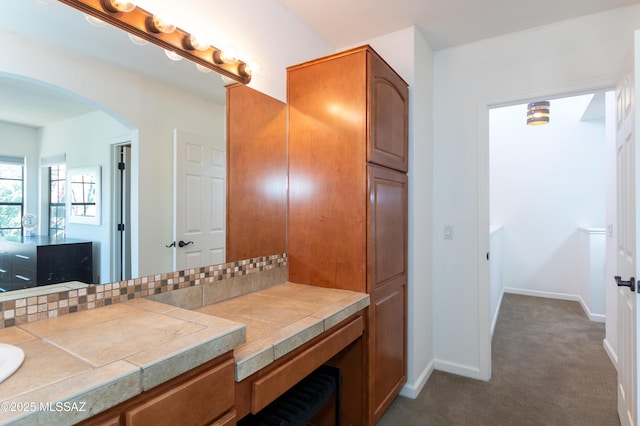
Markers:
{"x": 549, "y": 368}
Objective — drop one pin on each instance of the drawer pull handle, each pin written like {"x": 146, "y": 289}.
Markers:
{"x": 23, "y": 278}
{"x": 2, "y": 271}
{"x": 22, "y": 256}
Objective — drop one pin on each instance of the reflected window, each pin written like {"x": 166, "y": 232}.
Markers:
{"x": 11, "y": 195}
{"x": 57, "y": 200}
{"x": 83, "y": 194}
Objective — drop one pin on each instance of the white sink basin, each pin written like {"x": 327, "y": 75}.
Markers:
{"x": 11, "y": 358}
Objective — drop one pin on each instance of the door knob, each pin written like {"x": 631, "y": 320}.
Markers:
{"x": 182, "y": 243}
{"x": 631, "y": 283}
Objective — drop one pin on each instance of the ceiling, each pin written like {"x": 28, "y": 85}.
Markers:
{"x": 444, "y": 23}
{"x": 340, "y": 22}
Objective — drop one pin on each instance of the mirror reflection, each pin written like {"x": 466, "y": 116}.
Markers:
{"x": 88, "y": 97}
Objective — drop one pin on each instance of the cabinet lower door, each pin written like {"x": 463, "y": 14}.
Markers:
{"x": 388, "y": 346}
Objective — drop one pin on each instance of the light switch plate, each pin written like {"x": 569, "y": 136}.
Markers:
{"x": 448, "y": 232}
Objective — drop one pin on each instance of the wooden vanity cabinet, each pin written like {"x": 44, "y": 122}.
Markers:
{"x": 202, "y": 396}
{"x": 340, "y": 347}
{"x": 348, "y": 198}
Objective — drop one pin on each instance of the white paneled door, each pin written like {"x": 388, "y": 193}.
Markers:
{"x": 627, "y": 249}
{"x": 199, "y": 201}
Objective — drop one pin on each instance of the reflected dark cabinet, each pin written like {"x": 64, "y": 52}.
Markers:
{"x": 36, "y": 261}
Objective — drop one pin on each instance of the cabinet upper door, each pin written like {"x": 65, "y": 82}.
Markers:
{"x": 388, "y": 112}
{"x": 387, "y": 242}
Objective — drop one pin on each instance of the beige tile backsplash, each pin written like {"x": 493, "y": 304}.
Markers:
{"x": 188, "y": 289}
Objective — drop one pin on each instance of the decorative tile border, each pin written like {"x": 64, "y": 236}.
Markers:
{"x": 30, "y": 309}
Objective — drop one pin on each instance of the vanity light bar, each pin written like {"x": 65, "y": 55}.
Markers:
{"x": 179, "y": 41}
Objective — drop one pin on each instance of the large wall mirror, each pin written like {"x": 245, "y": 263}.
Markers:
{"x": 85, "y": 96}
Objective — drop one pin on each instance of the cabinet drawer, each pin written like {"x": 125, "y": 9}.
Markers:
{"x": 5, "y": 267}
{"x": 25, "y": 258}
{"x": 198, "y": 401}
{"x": 23, "y": 275}
{"x": 227, "y": 420}
{"x": 274, "y": 384}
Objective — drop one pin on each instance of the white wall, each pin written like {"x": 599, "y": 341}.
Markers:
{"x": 145, "y": 105}
{"x": 545, "y": 183}
{"x": 264, "y": 31}
{"x": 86, "y": 141}
{"x": 574, "y": 55}
{"x": 148, "y": 109}
{"x": 414, "y": 63}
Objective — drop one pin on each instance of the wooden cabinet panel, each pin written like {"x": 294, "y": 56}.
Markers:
{"x": 198, "y": 401}
{"x": 388, "y": 346}
{"x": 256, "y": 174}
{"x": 388, "y": 109}
{"x": 226, "y": 420}
{"x": 388, "y": 224}
{"x": 348, "y": 198}
{"x": 327, "y": 172}
{"x": 202, "y": 396}
{"x": 274, "y": 384}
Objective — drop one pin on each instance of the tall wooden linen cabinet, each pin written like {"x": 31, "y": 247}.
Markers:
{"x": 347, "y": 224}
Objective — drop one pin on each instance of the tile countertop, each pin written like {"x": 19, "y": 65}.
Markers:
{"x": 84, "y": 363}
{"x": 282, "y": 318}
{"x": 95, "y": 359}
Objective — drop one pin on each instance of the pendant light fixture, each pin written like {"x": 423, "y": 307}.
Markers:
{"x": 538, "y": 113}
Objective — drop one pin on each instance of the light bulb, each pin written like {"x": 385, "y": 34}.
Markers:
{"x": 229, "y": 55}
{"x": 196, "y": 42}
{"x": 202, "y": 68}
{"x": 172, "y": 55}
{"x": 137, "y": 40}
{"x": 163, "y": 22}
{"x": 253, "y": 68}
{"x": 96, "y": 22}
{"x": 114, "y": 6}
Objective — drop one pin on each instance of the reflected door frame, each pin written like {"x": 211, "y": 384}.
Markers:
{"x": 121, "y": 167}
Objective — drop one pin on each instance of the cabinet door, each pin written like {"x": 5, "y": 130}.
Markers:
{"x": 388, "y": 223}
{"x": 388, "y": 116}
{"x": 387, "y": 346}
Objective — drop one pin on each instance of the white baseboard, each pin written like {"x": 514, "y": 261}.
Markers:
{"x": 413, "y": 390}
{"x": 559, "y": 296}
{"x": 459, "y": 369}
{"x": 613, "y": 356}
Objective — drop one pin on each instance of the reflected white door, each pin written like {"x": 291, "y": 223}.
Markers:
{"x": 627, "y": 185}
{"x": 199, "y": 201}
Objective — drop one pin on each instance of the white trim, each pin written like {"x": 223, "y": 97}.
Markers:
{"x": 613, "y": 356}
{"x": 497, "y": 314}
{"x": 484, "y": 104}
{"x": 413, "y": 390}
{"x": 470, "y": 371}
{"x": 559, "y": 296}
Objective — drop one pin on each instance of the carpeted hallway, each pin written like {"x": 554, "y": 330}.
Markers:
{"x": 549, "y": 368}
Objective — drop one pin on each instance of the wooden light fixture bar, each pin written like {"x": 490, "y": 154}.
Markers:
{"x": 178, "y": 41}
